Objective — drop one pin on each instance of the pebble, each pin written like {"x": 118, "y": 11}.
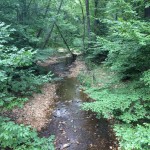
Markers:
{"x": 65, "y": 146}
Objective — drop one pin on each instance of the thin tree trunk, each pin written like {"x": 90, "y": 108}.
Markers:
{"x": 29, "y": 5}
{"x": 95, "y": 15}
{"x": 64, "y": 40}
{"x": 39, "y": 32}
{"x": 45, "y": 14}
{"x": 116, "y": 16}
{"x": 28, "y": 10}
{"x": 83, "y": 19}
{"x": 51, "y": 30}
{"x": 88, "y": 20}
{"x": 24, "y": 11}
{"x": 147, "y": 12}
{"x": 17, "y": 10}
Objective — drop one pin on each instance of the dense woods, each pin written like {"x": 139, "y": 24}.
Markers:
{"x": 113, "y": 38}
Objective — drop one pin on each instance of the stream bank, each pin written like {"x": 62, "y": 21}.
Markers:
{"x": 74, "y": 128}
{"x": 57, "y": 111}
{"x": 37, "y": 111}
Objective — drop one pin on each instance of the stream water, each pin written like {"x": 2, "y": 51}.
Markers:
{"x": 74, "y": 128}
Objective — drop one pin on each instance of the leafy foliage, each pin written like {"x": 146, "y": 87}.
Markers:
{"x": 122, "y": 94}
{"x": 126, "y": 103}
{"x": 119, "y": 103}
{"x": 20, "y": 137}
{"x": 128, "y": 134}
{"x": 18, "y": 79}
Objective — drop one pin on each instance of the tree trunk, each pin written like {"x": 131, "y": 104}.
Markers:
{"x": 83, "y": 21}
{"x": 96, "y": 21}
{"x": 45, "y": 14}
{"x": 64, "y": 40}
{"x": 147, "y": 12}
{"x": 23, "y": 15}
{"x": 28, "y": 7}
{"x": 24, "y": 11}
{"x": 51, "y": 30}
{"x": 88, "y": 20}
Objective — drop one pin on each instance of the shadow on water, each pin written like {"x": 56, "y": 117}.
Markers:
{"x": 74, "y": 128}
{"x": 61, "y": 67}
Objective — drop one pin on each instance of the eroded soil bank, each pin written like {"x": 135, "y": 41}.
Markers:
{"x": 36, "y": 112}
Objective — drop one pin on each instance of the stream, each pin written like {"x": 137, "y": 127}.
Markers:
{"x": 74, "y": 128}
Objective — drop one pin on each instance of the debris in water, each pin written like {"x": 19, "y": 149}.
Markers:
{"x": 65, "y": 146}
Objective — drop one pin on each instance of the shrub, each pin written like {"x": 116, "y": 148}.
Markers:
{"x": 20, "y": 137}
{"x": 18, "y": 79}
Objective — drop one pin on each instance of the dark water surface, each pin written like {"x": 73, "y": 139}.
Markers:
{"x": 74, "y": 128}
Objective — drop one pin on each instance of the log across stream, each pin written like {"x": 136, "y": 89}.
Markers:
{"x": 75, "y": 129}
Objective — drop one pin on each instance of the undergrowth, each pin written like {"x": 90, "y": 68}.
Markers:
{"x": 19, "y": 78}
{"x": 20, "y": 137}
{"x": 127, "y": 103}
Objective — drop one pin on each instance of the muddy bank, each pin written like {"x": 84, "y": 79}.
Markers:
{"x": 37, "y": 110}
{"x": 76, "y": 68}
{"x": 52, "y": 60}
{"x": 64, "y": 66}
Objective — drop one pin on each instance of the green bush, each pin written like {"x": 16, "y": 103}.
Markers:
{"x": 120, "y": 103}
{"x": 20, "y": 137}
{"x": 17, "y": 74}
{"x": 126, "y": 103}
{"x": 133, "y": 137}
{"x": 126, "y": 97}
{"x": 18, "y": 79}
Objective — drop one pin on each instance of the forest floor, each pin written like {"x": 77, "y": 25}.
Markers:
{"x": 37, "y": 111}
